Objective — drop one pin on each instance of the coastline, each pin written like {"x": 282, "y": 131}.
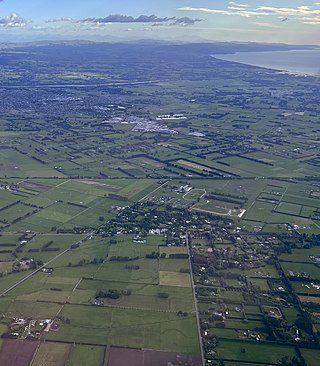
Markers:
{"x": 280, "y": 66}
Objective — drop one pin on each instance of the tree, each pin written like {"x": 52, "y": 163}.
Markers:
{"x": 82, "y": 262}
{"x": 304, "y": 322}
{"x": 293, "y": 361}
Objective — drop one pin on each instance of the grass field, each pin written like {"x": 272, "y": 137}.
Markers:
{"x": 173, "y": 250}
{"x": 86, "y": 355}
{"x": 88, "y": 172}
{"x": 174, "y": 279}
{"x": 51, "y": 354}
{"x": 311, "y": 356}
{"x": 128, "y": 328}
{"x": 232, "y": 350}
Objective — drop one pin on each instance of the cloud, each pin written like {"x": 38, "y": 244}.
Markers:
{"x": 38, "y": 28}
{"x": 57, "y": 20}
{"x": 267, "y": 25}
{"x": 205, "y": 10}
{"x": 262, "y": 11}
{"x": 13, "y": 21}
{"x": 311, "y": 20}
{"x": 229, "y": 11}
{"x": 298, "y": 11}
{"x": 238, "y": 5}
{"x": 127, "y": 19}
{"x": 185, "y": 21}
{"x": 117, "y": 18}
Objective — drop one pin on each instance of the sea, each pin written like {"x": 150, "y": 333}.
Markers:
{"x": 305, "y": 62}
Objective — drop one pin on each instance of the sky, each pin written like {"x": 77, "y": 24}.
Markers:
{"x": 280, "y": 21}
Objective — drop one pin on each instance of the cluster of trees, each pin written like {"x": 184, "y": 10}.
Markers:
{"x": 112, "y": 294}
{"x": 304, "y": 322}
{"x": 24, "y": 216}
{"x": 83, "y": 262}
{"x": 77, "y": 204}
{"x": 155, "y": 255}
{"x": 47, "y": 247}
{"x": 181, "y": 313}
{"x": 179, "y": 256}
{"x": 227, "y": 197}
{"x": 132, "y": 267}
{"x": 133, "y": 219}
{"x": 9, "y": 205}
{"x": 291, "y": 361}
{"x": 117, "y": 196}
{"x": 120, "y": 258}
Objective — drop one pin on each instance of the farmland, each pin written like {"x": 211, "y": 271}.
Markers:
{"x": 176, "y": 218}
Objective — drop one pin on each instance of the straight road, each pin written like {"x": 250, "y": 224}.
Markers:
{"x": 44, "y": 86}
{"x": 195, "y": 301}
{"x": 41, "y": 268}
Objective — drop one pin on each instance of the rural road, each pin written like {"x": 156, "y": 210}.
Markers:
{"x": 195, "y": 301}
{"x": 40, "y": 268}
{"x": 147, "y": 195}
{"x": 44, "y": 86}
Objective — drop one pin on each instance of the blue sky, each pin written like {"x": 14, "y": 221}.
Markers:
{"x": 287, "y": 21}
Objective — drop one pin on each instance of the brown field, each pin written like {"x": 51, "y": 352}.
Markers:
{"x": 17, "y": 353}
{"x": 136, "y": 357}
{"x": 36, "y": 186}
{"x": 193, "y": 165}
{"x": 314, "y": 299}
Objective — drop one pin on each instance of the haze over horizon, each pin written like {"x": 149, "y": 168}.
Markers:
{"x": 290, "y": 22}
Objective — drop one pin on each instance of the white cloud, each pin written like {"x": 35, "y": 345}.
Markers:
{"x": 267, "y": 25}
{"x": 298, "y": 12}
{"x": 261, "y": 11}
{"x": 229, "y": 11}
{"x": 205, "y": 10}
{"x": 13, "y": 21}
{"x": 57, "y": 20}
{"x": 238, "y": 5}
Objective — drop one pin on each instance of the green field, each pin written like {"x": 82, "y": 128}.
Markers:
{"x": 233, "y": 350}
{"x": 128, "y": 328}
{"x": 122, "y": 176}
